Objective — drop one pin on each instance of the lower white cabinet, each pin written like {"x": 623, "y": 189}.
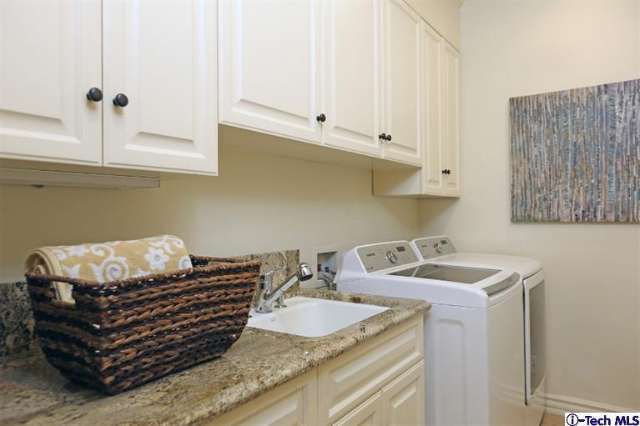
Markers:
{"x": 401, "y": 402}
{"x": 378, "y": 383}
{"x": 294, "y": 403}
{"x": 347, "y": 381}
{"x": 403, "y": 399}
{"x": 368, "y": 413}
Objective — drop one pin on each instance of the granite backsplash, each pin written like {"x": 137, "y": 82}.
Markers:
{"x": 16, "y": 319}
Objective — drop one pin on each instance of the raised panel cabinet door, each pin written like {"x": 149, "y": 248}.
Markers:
{"x": 433, "y": 171}
{"x": 162, "y": 56}
{"x": 451, "y": 135}
{"x": 347, "y": 381}
{"x": 369, "y": 413}
{"x": 401, "y": 37}
{"x": 50, "y": 57}
{"x": 270, "y": 66}
{"x": 352, "y": 84}
{"x": 403, "y": 400}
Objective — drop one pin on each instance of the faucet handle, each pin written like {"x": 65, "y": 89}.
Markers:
{"x": 280, "y": 302}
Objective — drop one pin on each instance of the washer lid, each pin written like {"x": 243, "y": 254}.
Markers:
{"x": 457, "y": 274}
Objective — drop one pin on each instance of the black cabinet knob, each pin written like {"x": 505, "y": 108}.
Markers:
{"x": 382, "y": 136}
{"x": 446, "y": 172}
{"x": 121, "y": 100}
{"x": 321, "y": 118}
{"x": 389, "y": 138}
{"x": 94, "y": 94}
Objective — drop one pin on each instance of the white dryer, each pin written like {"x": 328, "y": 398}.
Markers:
{"x": 473, "y": 332}
{"x": 440, "y": 250}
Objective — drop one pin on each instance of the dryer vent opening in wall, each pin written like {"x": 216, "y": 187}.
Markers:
{"x": 327, "y": 268}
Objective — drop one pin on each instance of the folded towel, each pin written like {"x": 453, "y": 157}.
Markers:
{"x": 111, "y": 261}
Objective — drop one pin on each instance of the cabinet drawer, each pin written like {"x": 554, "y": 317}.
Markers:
{"x": 293, "y": 403}
{"x": 349, "y": 380}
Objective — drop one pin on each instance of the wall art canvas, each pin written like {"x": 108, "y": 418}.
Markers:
{"x": 575, "y": 155}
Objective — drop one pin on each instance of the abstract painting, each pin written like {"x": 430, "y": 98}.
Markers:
{"x": 575, "y": 155}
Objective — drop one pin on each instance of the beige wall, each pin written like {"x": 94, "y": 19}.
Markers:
{"x": 518, "y": 47}
{"x": 259, "y": 203}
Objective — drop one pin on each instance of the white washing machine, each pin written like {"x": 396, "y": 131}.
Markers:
{"x": 473, "y": 332}
{"x": 441, "y": 250}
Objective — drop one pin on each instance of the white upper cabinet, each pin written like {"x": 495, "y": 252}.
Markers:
{"x": 160, "y": 58}
{"x": 143, "y": 84}
{"x": 450, "y": 103}
{"x": 269, "y": 66}
{"x": 433, "y": 168}
{"x": 401, "y": 37}
{"x": 49, "y": 59}
{"x": 439, "y": 115}
{"x": 345, "y": 74}
{"x": 65, "y": 64}
{"x": 352, "y": 68}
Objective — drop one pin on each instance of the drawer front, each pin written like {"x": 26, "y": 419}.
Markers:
{"x": 291, "y": 404}
{"x": 350, "y": 379}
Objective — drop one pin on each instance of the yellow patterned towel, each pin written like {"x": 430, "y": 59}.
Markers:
{"x": 111, "y": 261}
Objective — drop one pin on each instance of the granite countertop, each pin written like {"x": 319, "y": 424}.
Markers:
{"x": 34, "y": 393}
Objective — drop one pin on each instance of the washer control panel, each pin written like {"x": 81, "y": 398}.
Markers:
{"x": 386, "y": 255}
{"x": 434, "y": 246}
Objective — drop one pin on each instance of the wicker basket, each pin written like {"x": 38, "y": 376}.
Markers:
{"x": 122, "y": 334}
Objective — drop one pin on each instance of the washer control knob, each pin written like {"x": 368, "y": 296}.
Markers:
{"x": 392, "y": 257}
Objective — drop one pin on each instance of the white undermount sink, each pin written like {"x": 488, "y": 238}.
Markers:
{"x": 310, "y": 317}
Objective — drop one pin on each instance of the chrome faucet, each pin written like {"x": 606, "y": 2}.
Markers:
{"x": 268, "y": 296}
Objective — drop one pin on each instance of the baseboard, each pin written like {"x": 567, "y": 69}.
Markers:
{"x": 560, "y": 404}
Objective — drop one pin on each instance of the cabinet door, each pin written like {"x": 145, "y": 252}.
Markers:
{"x": 403, "y": 400}
{"x": 347, "y": 381}
{"x": 369, "y": 413}
{"x": 162, "y": 55}
{"x": 451, "y": 136}
{"x": 402, "y": 33}
{"x": 352, "y": 84}
{"x": 433, "y": 175}
{"x": 50, "y": 56}
{"x": 269, "y": 65}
